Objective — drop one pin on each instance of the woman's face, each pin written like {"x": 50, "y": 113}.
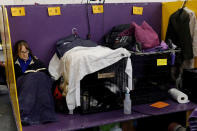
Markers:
{"x": 23, "y": 53}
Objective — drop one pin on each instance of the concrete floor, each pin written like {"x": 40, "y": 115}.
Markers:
{"x": 7, "y": 121}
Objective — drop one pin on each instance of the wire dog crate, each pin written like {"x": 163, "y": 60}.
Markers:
{"x": 103, "y": 90}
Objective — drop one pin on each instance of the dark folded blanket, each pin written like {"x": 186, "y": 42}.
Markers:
{"x": 35, "y": 98}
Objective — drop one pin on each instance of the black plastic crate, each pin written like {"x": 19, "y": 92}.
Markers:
{"x": 146, "y": 65}
{"x": 103, "y": 90}
{"x": 151, "y": 80}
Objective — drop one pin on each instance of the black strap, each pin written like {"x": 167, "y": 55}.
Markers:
{"x": 88, "y": 19}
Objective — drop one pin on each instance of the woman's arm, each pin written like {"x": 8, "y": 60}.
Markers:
{"x": 40, "y": 65}
{"x": 18, "y": 71}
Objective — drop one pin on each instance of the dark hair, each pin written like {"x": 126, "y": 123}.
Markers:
{"x": 18, "y": 46}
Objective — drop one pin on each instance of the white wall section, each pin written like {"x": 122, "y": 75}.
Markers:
{"x": 6, "y": 2}
{"x": 27, "y": 2}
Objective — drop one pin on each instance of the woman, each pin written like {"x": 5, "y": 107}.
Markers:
{"x": 33, "y": 86}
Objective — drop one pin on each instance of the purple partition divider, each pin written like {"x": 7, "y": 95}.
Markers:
{"x": 42, "y": 31}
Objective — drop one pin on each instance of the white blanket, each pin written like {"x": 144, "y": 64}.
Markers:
{"x": 80, "y": 61}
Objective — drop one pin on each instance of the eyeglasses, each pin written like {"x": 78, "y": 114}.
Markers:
{"x": 24, "y": 52}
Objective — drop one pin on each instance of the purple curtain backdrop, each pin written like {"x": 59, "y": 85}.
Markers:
{"x": 42, "y": 31}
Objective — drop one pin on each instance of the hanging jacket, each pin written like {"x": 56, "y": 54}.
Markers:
{"x": 179, "y": 32}
{"x": 193, "y": 29}
{"x": 193, "y": 32}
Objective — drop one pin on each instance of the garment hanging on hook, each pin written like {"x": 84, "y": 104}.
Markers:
{"x": 179, "y": 32}
{"x": 184, "y": 4}
{"x": 193, "y": 32}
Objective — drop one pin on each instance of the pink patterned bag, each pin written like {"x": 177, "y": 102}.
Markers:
{"x": 145, "y": 35}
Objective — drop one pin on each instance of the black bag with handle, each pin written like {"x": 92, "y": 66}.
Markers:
{"x": 114, "y": 41}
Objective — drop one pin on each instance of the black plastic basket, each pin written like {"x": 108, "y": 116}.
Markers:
{"x": 146, "y": 65}
{"x": 151, "y": 79}
{"x": 103, "y": 90}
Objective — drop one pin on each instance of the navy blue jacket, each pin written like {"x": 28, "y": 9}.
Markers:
{"x": 35, "y": 64}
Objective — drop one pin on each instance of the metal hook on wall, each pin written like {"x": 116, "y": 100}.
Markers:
{"x": 184, "y": 3}
{"x": 74, "y": 31}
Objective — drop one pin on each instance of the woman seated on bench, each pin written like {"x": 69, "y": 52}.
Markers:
{"x": 33, "y": 87}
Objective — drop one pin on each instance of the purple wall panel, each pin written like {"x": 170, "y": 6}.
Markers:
{"x": 42, "y": 31}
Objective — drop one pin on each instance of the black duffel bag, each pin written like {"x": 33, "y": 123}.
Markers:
{"x": 114, "y": 41}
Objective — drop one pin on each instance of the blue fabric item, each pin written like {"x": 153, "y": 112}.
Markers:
{"x": 24, "y": 64}
{"x": 173, "y": 57}
{"x": 70, "y": 42}
{"x": 35, "y": 98}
